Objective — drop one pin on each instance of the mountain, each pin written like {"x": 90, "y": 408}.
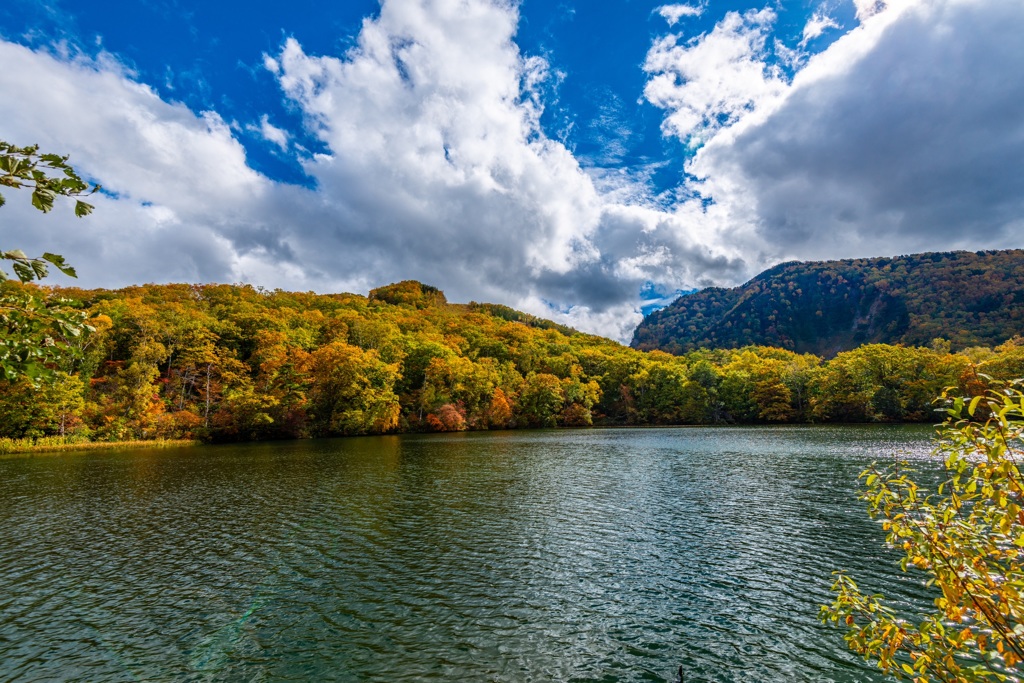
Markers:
{"x": 825, "y": 307}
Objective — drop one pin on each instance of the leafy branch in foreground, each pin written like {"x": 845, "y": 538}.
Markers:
{"x": 967, "y": 538}
{"x": 48, "y": 176}
{"x": 33, "y": 325}
{"x": 34, "y": 334}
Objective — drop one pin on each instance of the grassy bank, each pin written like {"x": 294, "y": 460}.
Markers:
{"x": 57, "y": 444}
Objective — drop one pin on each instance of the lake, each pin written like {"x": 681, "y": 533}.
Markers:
{"x": 590, "y": 555}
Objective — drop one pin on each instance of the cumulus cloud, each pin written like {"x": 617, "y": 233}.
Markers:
{"x": 902, "y": 136}
{"x": 868, "y": 8}
{"x": 674, "y": 13}
{"x": 441, "y": 104}
{"x": 436, "y": 168}
{"x": 713, "y": 80}
{"x": 816, "y": 26}
{"x": 437, "y": 104}
{"x": 271, "y": 133}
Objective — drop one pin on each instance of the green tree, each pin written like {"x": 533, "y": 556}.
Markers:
{"x": 351, "y": 391}
{"x": 580, "y": 397}
{"x": 34, "y": 327}
{"x": 50, "y": 409}
{"x": 659, "y": 391}
{"x": 541, "y": 399}
{"x": 967, "y": 538}
{"x": 700, "y": 403}
{"x": 64, "y": 398}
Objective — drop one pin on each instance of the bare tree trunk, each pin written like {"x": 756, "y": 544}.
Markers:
{"x": 181, "y": 398}
{"x": 208, "y": 368}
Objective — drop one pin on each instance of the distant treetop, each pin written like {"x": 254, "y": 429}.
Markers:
{"x": 409, "y": 293}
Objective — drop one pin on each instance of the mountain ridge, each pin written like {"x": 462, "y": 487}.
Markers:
{"x": 826, "y": 307}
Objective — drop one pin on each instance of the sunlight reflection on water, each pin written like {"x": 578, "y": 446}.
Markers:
{"x": 597, "y": 555}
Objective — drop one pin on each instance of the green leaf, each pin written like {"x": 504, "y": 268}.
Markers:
{"x": 62, "y": 265}
{"x": 39, "y": 268}
{"x": 42, "y": 199}
{"x": 24, "y": 273}
{"x": 83, "y": 208}
{"x": 974, "y": 405}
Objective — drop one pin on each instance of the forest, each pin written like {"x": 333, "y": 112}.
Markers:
{"x": 824, "y": 307}
{"x": 230, "y": 362}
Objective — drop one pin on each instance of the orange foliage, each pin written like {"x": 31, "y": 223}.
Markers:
{"x": 500, "y": 412}
{"x": 447, "y": 419}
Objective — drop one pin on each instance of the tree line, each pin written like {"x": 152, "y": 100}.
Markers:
{"x": 230, "y": 362}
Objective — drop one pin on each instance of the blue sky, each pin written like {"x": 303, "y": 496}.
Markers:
{"x": 209, "y": 57}
{"x": 580, "y": 160}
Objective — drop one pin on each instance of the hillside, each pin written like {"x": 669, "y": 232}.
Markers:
{"x": 225, "y": 362}
{"x": 825, "y": 307}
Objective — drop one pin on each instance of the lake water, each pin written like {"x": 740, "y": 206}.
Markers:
{"x": 595, "y": 555}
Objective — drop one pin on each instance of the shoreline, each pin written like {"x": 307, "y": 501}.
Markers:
{"x": 28, "y": 447}
{"x": 52, "y": 446}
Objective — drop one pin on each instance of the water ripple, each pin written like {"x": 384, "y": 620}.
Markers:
{"x": 603, "y": 555}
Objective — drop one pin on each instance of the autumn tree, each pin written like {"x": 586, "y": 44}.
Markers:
{"x": 136, "y": 394}
{"x": 448, "y": 418}
{"x": 239, "y": 362}
{"x": 53, "y": 408}
{"x": 966, "y": 539}
{"x": 351, "y": 391}
{"x": 541, "y": 400}
{"x": 499, "y": 413}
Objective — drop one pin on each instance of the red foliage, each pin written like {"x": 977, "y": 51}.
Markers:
{"x": 576, "y": 416}
{"x": 447, "y": 419}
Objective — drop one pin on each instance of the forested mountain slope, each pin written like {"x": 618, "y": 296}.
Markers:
{"x": 825, "y": 307}
{"x": 225, "y": 362}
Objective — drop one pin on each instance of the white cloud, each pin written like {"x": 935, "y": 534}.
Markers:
{"x": 435, "y": 146}
{"x": 168, "y": 168}
{"x": 140, "y": 146}
{"x": 816, "y": 26}
{"x": 271, "y": 64}
{"x": 436, "y": 168}
{"x": 674, "y": 13}
{"x": 272, "y": 133}
{"x": 713, "y": 80}
{"x": 440, "y": 103}
{"x": 902, "y": 136}
{"x": 868, "y": 8}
